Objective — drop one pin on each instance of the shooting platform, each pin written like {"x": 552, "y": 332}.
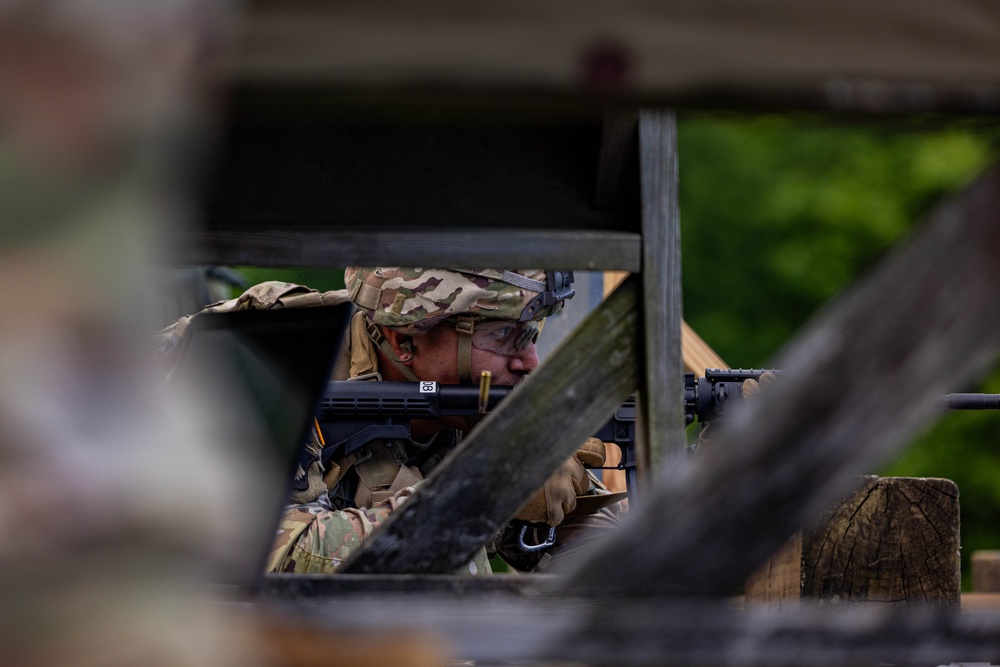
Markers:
{"x": 541, "y": 134}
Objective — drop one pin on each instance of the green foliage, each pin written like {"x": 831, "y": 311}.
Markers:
{"x": 319, "y": 279}
{"x": 780, "y": 214}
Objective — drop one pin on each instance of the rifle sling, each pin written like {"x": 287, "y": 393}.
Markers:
{"x": 592, "y": 503}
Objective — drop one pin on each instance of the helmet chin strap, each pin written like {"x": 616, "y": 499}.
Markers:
{"x": 390, "y": 354}
{"x": 465, "y": 326}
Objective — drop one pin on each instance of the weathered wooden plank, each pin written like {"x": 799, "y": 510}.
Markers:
{"x": 296, "y": 586}
{"x": 495, "y": 247}
{"x": 862, "y": 378}
{"x": 297, "y": 643}
{"x": 893, "y": 541}
{"x": 496, "y": 628}
{"x": 513, "y": 450}
{"x": 986, "y": 571}
{"x": 661, "y": 393}
{"x": 778, "y": 581}
{"x": 698, "y": 355}
{"x": 905, "y": 55}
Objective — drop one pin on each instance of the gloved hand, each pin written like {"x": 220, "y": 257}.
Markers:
{"x": 557, "y": 497}
{"x": 753, "y": 387}
{"x": 749, "y": 390}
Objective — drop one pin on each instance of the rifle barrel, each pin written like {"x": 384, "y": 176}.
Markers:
{"x": 973, "y": 401}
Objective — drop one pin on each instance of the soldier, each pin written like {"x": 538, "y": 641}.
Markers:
{"x": 445, "y": 325}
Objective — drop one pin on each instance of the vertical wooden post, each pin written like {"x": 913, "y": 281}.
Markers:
{"x": 661, "y": 395}
{"x": 778, "y": 582}
{"x": 894, "y": 541}
{"x": 986, "y": 571}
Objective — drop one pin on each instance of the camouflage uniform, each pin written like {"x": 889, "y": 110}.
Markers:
{"x": 329, "y": 517}
{"x": 319, "y": 533}
{"x": 337, "y": 506}
{"x": 113, "y": 512}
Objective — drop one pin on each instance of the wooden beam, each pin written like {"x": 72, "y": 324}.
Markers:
{"x": 661, "y": 395}
{"x": 698, "y": 355}
{"x": 579, "y": 250}
{"x": 986, "y": 571}
{"x": 866, "y": 375}
{"x": 905, "y": 55}
{"x": 511, "y": 453}
{"x": 323, "y": 586}
{"x": 494, "y": 628}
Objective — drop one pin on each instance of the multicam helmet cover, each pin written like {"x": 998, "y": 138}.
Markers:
{"x": 415, "y": 299}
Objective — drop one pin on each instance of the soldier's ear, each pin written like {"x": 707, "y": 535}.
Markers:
{"x": 401, "y": 344}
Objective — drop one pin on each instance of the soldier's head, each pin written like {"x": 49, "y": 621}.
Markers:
{"x": 449, "y": 325}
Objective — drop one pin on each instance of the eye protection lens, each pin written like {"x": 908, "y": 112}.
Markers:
{"x": 504, "y": 337}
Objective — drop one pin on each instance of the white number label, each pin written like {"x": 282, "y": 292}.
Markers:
{"x": 428, "y": 387}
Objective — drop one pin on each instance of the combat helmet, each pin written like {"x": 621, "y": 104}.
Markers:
{"x": 412, "y": 300}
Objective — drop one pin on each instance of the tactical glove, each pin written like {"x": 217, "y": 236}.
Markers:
{"x": 750, "y": 389}
{"x": 557, "y": 497}
{"x": 753, "y": 387}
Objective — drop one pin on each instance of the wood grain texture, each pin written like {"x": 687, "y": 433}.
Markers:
{"x": 863, "y": 377}
{"x": 661, "y": 394}
{"x": 515, "y": 449}
{"x": 778, "y": 582}
{"x": 894, "y": 541}
{"x": 986, "y": 571}
{"x": 698, "y": 355}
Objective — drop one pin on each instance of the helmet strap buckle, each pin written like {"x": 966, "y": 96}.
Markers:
{"x": 465, "y": 326}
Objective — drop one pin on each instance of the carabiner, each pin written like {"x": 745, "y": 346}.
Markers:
{"x": 549, "y": 541}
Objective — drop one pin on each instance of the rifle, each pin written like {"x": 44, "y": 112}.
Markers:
{"x": 353, "y": 414}
{"x": 706, "y": 398}
{"x": 972, "y": 401}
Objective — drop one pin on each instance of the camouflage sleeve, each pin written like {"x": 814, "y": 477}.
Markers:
{"x": 312, "y": 540}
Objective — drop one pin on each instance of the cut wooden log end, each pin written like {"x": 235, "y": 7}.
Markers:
{"x": 894, "y": 541}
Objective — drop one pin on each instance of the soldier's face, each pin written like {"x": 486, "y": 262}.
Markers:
{"x": 435, "y": 357}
